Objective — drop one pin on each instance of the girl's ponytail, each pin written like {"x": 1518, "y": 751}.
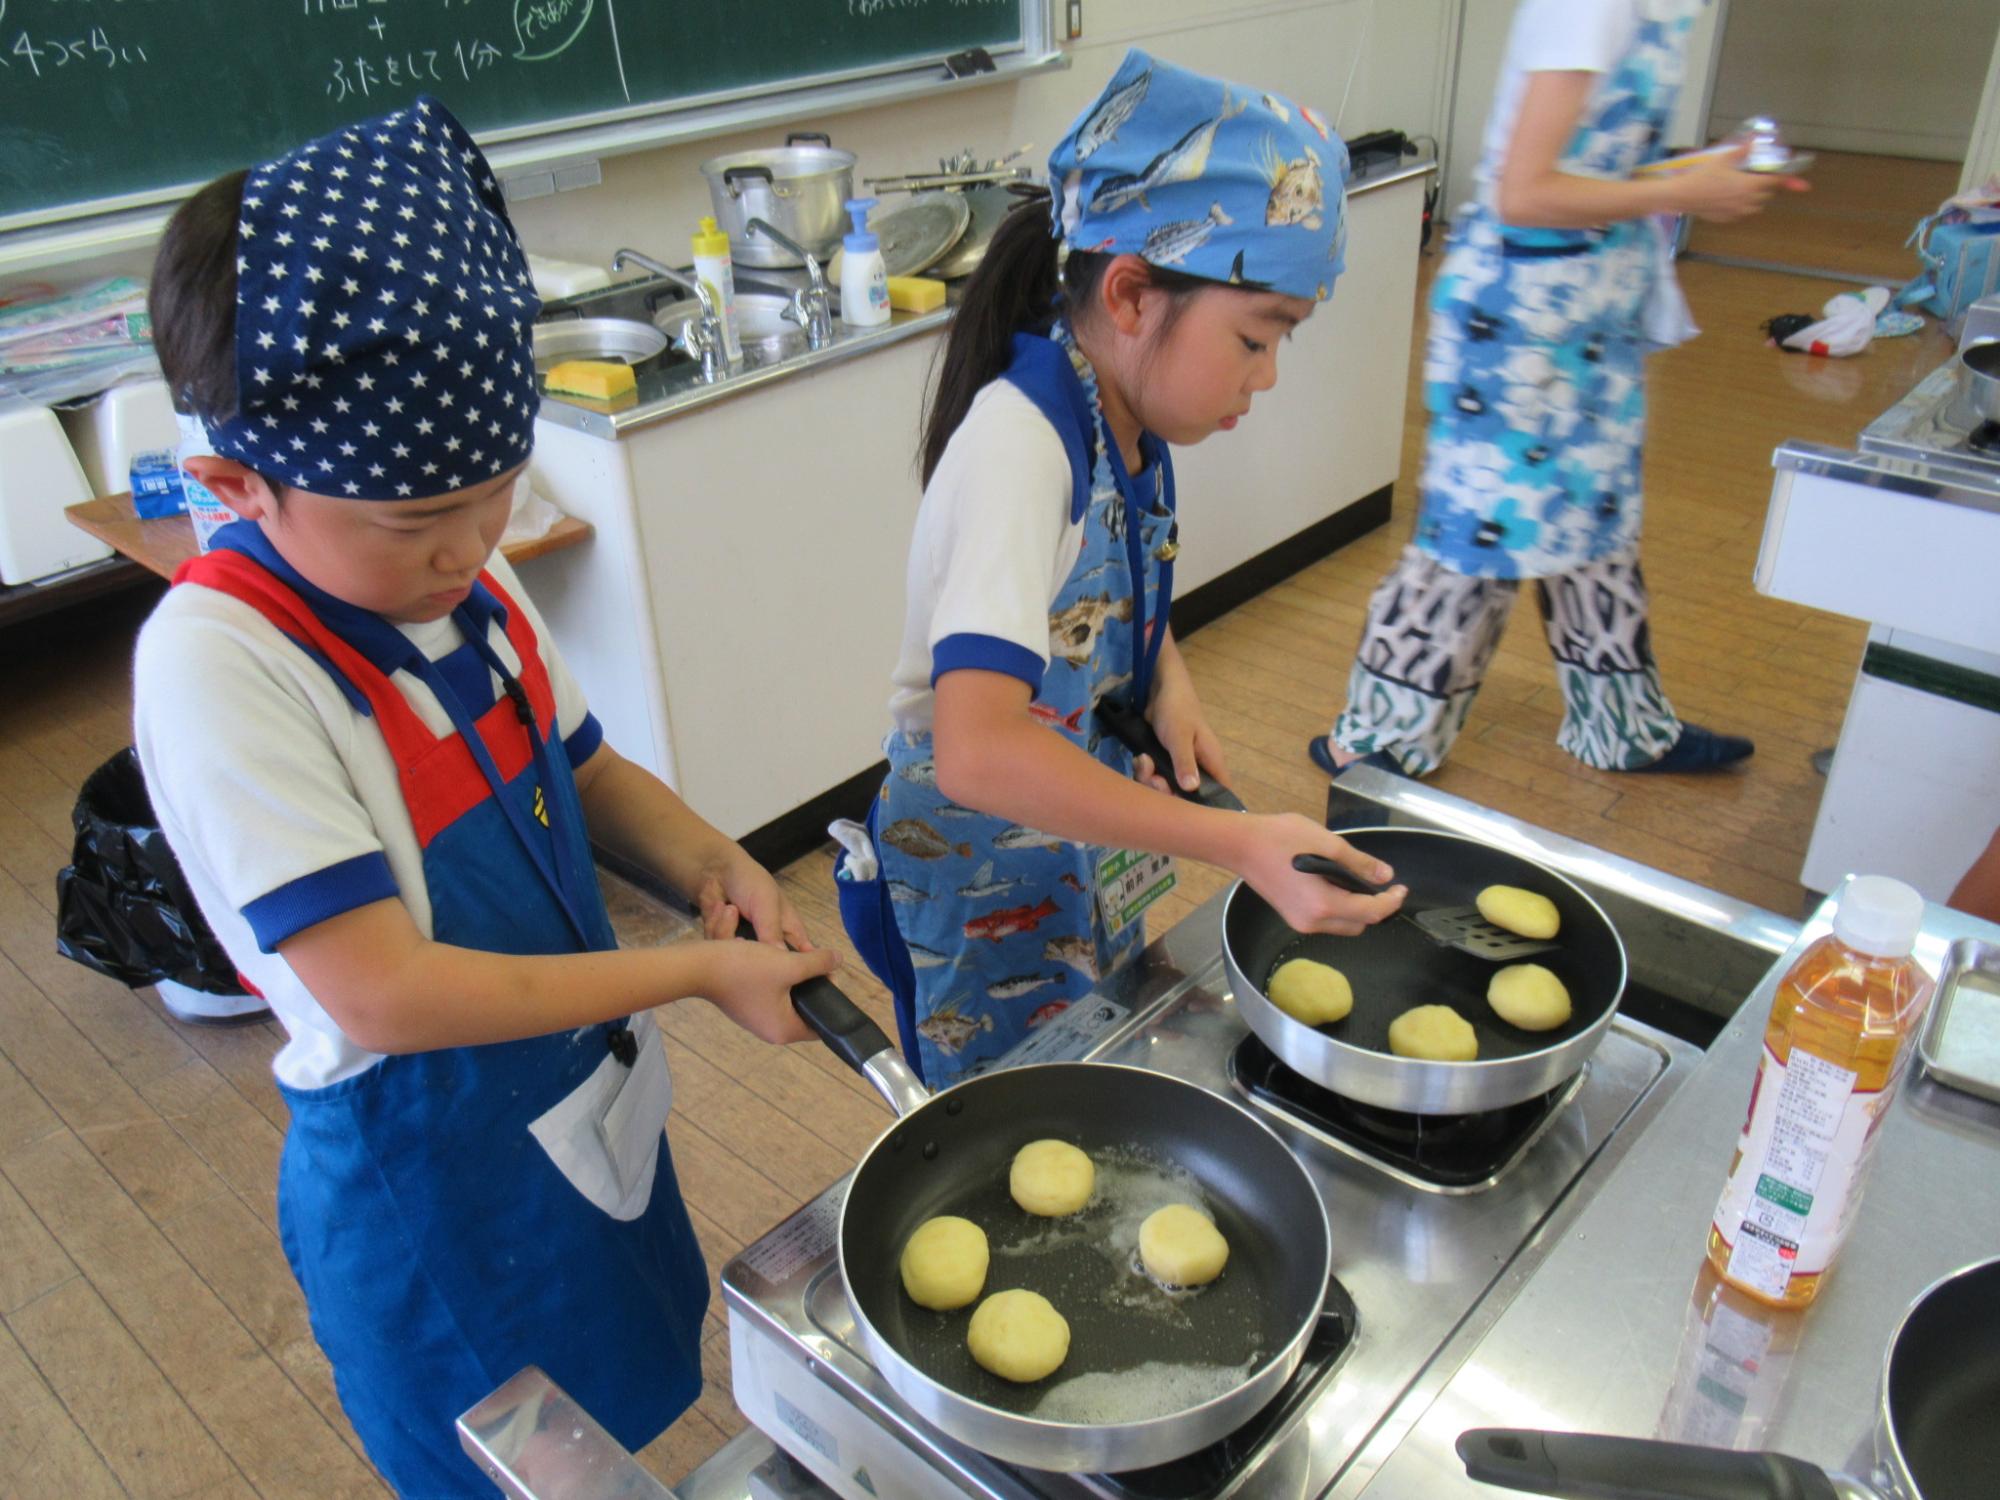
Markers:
{"x": 1013, "y": 290}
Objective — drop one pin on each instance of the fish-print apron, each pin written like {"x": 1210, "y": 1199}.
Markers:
{"x": 457, "y": 1214}
{"x": 1002, "y": 923}
{"x": 1534, "y": 384}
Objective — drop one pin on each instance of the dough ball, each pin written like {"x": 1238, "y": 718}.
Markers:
{"x": 1528, "y": 996}
{"x": 1180, "y": 1247}
{"x": 944, "y": 1263}
{"x": 1310, "y": 991}
{"x": 1435, "y": 1033}
{"x": 1018, "y": 1335}
{"x": 1525, "y": 912}
{"x": 1051, "y": 1178}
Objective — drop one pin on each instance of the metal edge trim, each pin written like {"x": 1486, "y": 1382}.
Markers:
{"x": 1881, "y": 471}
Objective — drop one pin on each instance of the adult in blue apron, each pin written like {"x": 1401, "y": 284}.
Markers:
{"x": 433, "y": 1207}
{"x": 985, "y": 929}
{"x": 1534, "y": 383}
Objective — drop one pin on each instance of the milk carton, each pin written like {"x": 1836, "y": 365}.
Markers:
{"x": 208, "y": 514}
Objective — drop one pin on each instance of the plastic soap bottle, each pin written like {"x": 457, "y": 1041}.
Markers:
{"x": 1834, "y": 1052}
{"x": 714, "y": 270}
{"x": 864, "y": 285}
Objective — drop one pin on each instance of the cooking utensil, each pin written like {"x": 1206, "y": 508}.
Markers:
{"x": 1935, "y": 1437}
{"x": 950, "y": 1154}
{"x": 1977, "y": 398}
{"x": 761, "y": 324}
{"x": 1135, "y": 731}
{"x": 1459, "y": 927}
{"x": 990, "y": 205}
{"x": 802, "y": 187}
{"x": 1959, "y": 1045}
{"x": 914, "y": 236}
{"x": 623, "y": 339}
{"x": 1394, "y": 966}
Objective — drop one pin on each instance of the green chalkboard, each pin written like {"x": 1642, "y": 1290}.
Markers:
{"x": 103, "y": 101}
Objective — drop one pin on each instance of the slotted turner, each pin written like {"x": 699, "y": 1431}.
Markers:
{"x": 1459, "y": 927}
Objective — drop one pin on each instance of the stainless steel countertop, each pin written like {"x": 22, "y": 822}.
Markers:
{"x": 671, "y": 388}
{"x": 1592, "y": 1342}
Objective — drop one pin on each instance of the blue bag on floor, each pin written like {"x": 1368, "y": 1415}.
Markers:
{"x": 1960, "y": 252}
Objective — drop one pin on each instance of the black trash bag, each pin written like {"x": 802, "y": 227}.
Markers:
{"x": 123, "y": 906}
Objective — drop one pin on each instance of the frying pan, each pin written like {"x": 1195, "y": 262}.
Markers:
{"x": 1166, "y": 1374}
{"x": 1392, "y": 966}
{"x": 1935, "y": 1434}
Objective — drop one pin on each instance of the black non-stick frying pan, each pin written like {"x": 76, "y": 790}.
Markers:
{"x": 1163, "y": 1373}
{"x": 1392, "y": 967}
{"x": 1936, "y": 1437}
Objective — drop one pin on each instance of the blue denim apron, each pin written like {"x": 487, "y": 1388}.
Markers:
{"x": 1532, "y": 366}
{"x": 439, "y": 1247}
{"x": 983, "y": 929}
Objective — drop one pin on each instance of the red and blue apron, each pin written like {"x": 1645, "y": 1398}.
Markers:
{"x": 982, "y": 929}
{"x": 440, "y": 1246}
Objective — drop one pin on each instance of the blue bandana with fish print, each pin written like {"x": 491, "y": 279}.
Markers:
{"x": 383, "y": 309}
{"x": 1197, "y": 175}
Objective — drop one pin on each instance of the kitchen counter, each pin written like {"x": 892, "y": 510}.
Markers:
{"x": 673, "y": 387}
{"x": 1593, "y": 1341}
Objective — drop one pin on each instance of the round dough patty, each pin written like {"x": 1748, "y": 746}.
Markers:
{"x": 1310, "y": 991}
{"x": 1051, "y": 1178}
{"x": 1528, "y": 996}
{"x": 1018, "y": 1335}
{"x": 944, "y": 1263}
{"x": 1435, "y": 1033}
{"x": 1529, "y": 913}
{"x": 1180, "y": 1247}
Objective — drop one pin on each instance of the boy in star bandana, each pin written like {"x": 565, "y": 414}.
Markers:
{"x": 384, "y": 787}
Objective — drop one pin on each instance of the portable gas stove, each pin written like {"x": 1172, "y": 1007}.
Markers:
{"x": 1932, "y": 425}
{"x": 1437, "y": 1221}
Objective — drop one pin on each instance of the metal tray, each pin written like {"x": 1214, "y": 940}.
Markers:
{"x": 1965, "y": 1054}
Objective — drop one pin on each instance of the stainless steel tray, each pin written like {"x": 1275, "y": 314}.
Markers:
{"x": 1965, "y": 1057}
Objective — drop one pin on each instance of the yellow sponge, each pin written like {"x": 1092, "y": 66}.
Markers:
{"x": 915, "y": 293}
{"x": 597, "y": 379}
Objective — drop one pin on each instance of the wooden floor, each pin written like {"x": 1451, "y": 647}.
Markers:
{"x": 152, "y": 1342}
{"x": 1855, "y": 219}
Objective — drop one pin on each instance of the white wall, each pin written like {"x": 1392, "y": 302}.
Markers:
{"x": 1902, "y": 79}
{"x": 1300, "y": 47}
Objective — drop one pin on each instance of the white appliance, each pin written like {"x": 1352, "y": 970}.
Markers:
{"x": 39, "y": 479}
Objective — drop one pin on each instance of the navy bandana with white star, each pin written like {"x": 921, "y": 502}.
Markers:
{"x": 383, "y": 309}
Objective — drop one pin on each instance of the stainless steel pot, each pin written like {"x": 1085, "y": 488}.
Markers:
{"x": 802, "y": 187}
{"x": 1978, "y": 396}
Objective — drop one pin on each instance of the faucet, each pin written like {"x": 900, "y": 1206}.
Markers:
{"x": 810, "y": 308}
{"x": 700, "y": 338}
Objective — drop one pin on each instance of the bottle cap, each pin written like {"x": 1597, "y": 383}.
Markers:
{"x": 1878, "y": 916}
{"x": 860, "y": 239}
{"x": 709, "y": 239}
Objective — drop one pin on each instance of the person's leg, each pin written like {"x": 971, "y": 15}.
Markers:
{"x": 1616, "y": 716}
{"x": 1431, "y": 633}
{"x": 1978, "y": 893}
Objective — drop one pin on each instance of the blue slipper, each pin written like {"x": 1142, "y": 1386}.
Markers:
{"x": 1700, "y": 749}
{"x": 1322, "y": 756}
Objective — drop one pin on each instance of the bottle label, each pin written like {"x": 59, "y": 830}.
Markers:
{"x": 1786, "y": 1207}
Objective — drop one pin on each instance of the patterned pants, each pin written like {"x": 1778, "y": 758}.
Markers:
{"x": 1431, "y": 633}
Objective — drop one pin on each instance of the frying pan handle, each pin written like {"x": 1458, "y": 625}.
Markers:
{"x": 1134, "y": 731}
{"x": 1338, "y": 874}
{"x": 858, "y": 1042}
{"x": 1590, "y": 1466}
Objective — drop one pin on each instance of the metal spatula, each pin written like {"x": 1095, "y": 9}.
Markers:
{"x": 1459, "y": 927}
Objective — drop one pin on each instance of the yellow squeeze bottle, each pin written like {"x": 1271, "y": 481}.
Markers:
{"x": 714, "y": 270}
{"x": 1834, "y": 1053}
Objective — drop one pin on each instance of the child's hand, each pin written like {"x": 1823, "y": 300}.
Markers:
{"x": 1177, "y": 718}
{"x": 1306, "y": 902}
{"x": 745, "y": 890}
{"x": 751, "y": 983}
{"x": 1721, "y": 191}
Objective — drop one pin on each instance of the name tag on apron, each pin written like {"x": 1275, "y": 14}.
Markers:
{"x": 1129, "y": 881}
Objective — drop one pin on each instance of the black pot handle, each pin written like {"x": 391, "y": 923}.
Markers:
{"x": 841, "y": 1024}
{"x": 819, "y": 137}
{"x": 1591, "y": 1466}
{"x": 732, "y": 177}
{"x": 1136, "y": 733}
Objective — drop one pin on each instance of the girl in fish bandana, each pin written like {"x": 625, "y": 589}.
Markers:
{"x": 1191, "y": 226}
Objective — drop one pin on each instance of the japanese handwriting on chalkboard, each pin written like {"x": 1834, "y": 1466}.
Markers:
{"x": 48, "y": 54}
